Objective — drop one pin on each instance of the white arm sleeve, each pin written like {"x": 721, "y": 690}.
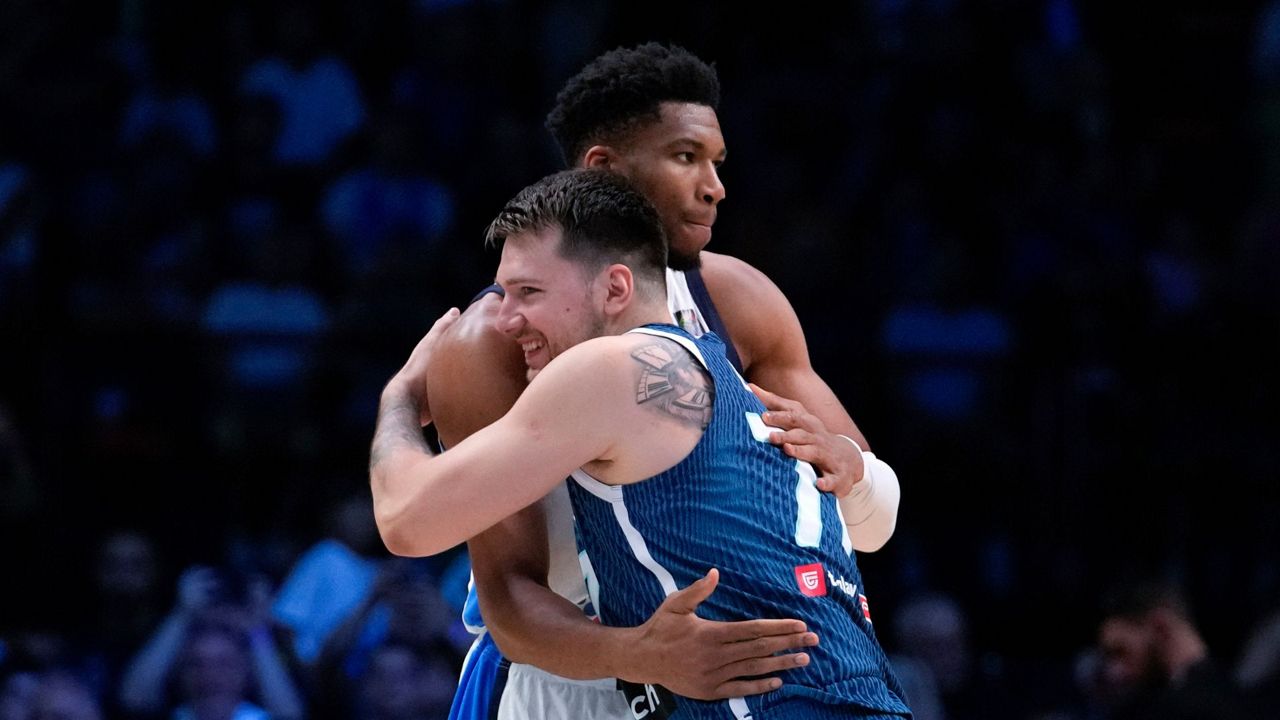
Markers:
{"x": 871, "y": 510}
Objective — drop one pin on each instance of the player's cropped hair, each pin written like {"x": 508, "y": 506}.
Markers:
{"x": 603, "y": 219}
{"x": 621, "y": 90}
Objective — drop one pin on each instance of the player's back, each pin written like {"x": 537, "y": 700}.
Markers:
{"x": 739, "y": 504}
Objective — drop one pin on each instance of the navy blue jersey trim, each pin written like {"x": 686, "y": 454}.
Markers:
{"x": 495, "y": 288}
{"x": 702, "y": 299}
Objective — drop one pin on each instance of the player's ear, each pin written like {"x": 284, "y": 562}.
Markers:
{"x": 620, "y": 288}
{"x": 600, "y": 157}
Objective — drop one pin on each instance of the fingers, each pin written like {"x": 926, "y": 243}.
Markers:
{"x": 772, "y": 401}
{"x": 795, "y": 436}
{"x": 738, "y": 686}
{"x": 811, "y": 454}
{"x": 687, "y": 600}
{"x": 743, "y": 688}
{"x": 742, "y": 631}
{"x": 756, "y": 666}
{"x": 765, "y": 647}
{"x": 800, "y": 419}
{"x": 444, "y": 321}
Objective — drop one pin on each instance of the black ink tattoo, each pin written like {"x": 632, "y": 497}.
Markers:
{"x": 675, "y": 382}
{"x": 398, "y": 426}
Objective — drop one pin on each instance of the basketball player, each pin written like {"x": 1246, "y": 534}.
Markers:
{"x": 647, "y": 113}
{"x": 669, "y": 450}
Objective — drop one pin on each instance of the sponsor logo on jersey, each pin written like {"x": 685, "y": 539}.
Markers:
{"x": 648, "y": 702}
{"x": 866, "y": 610}
{"x": 811, "y": 579}
{"x": 845, "y": 586}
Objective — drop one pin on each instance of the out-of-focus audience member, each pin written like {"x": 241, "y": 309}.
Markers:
{"x": 1154, "y": 663}
{"x": 214, "y": 657}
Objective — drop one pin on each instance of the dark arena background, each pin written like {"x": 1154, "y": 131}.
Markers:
{"x": 1035, "y": 247}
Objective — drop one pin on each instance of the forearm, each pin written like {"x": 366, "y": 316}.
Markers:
{"x": 280, "y": 696}
{"x": 143, "y": 684}
{"x": 511, "y": 563}
{"x": 395, "y": 463}
{"x": 539, "y": 627}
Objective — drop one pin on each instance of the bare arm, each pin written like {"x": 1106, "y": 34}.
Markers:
{"x": 276, "y": 687}
{"x": 143, "y": 684}
{"x": 771, "y": 343}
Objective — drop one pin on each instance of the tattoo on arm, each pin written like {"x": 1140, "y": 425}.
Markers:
{"x": 676, "y": 384}
{"x": 397, "y": 428}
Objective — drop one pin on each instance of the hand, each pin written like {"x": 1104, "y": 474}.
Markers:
{"x": 805, "y": 437}
{"x": 704, "y": 659}
{"x": 413, "y": 376}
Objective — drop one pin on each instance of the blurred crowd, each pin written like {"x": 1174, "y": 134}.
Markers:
{"x": 1035, "y": 247}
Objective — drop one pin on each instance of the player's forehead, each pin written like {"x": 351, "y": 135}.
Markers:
{"x": 531, "y": 256}
{"x": 681, "y": 123}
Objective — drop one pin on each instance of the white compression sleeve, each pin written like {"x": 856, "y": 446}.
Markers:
{"x": 871, "y": 510}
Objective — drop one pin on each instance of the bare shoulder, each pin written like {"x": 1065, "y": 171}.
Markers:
{"x": 646, "y": 373}
{"x": 726, "y": 271}
{"x": 475, "y": 375}
{"x": 757, "y": 315}
{"x": 670, "y": 381}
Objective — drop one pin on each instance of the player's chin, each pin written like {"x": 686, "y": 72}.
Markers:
{"x": 683, "y": 261}
{"x": 530, "y": 373}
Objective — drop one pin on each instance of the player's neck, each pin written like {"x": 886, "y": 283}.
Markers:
{"x": 640, "y": 313}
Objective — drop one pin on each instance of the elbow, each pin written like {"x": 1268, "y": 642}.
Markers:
{"x": 508, "y": 645}
{"x": 395, "y": 542}
{"x": 412, "y": 536}
{"x": 395, "y": 530}
{"x": 400, "y": 541}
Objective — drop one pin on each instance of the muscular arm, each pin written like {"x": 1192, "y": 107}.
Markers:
{"x": 775, "y": 356}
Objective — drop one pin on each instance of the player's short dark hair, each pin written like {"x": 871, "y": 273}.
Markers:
{"x": 621, "y": 91}
{"x": 602, "y": 217}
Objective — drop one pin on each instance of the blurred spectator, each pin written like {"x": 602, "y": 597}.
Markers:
{"x": 948, "y": 339}
{"x": 61, "y": 696}
{"x": 213, "y": 657}
{"x": 126, "y": 606}
{"x": 934, "y": 649}
{"x": 388, "y": 200}
{"x": 402, "y": 682}
{"x": 18, "y": 689}
{"x": 333, "y": 578}
{"x": 169, "y": 106}
{"x": 267, "y": 323}
{"x": 1154, "y": 662}
{"x": 318, "y": 95}
{"x": 404, "y": 608}
{"x": 1258, "y": 670}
